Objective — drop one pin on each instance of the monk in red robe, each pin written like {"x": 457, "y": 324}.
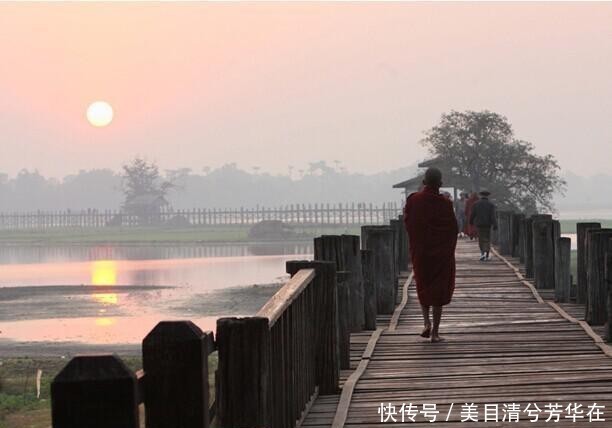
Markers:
{"x": 469, "y": 229}
{"x": 432, "y": 232}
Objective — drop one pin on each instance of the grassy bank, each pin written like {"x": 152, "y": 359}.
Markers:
{"x": 19, "y": 406}
{"x": 129, "y": 235}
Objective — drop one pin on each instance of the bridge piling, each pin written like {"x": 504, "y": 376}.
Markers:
{"x": 325, "y": 321}
{"x": 352, "y": 264}
{"x": 562, "y": 275}
{"x": 608, "y": 272}
{"x": 381, "y": 241}
{"x": 504, "y": 229}
{"x": 581, "y": 269}
{"x": 543, "y": 252}
{"x": 369, "y": 290}
{"x": 344, "y": 318}
{"x": 175, "y": 358}
{"x": 597, "y": 288}
{"x": 96, "y": 391}
{"x": 404, "y": 252}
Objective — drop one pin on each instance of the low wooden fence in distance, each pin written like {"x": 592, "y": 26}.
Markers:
{"x": 296, "y": 214}
{"x": 271, "y": 366}
{"x": 537, "y": 243}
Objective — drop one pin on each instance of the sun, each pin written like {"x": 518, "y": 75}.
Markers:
{"x": 100, "y": 113}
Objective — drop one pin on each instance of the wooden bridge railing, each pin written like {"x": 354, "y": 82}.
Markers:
{"x": 101, "y": 391}
{"x": 271, "y": 366}
{"x": 316, "y": 214}
{"x": 536, "y": 241}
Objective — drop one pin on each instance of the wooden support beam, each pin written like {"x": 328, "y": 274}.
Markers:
{"x": 504, "y": 229}
{"x": 517, "y": 226}
{"x": 528, "y": 247}
{"x": 369, "y": 290}
{"x": 343, "y": 250}
{"x": 324, "y": 323}
{"x": 243, "y": 374}
{"x": 543, "y": 252}
{"x": 344, "y": 319}
{"x": 597, "y": 288}
{"x": 581, "y": 269}
{"x": 352, "y": 264}
{"x": 380, "y": 242}
{"x": 404, "y": 255}
{"x": 608, "y": 273}
{"x": 175, "y": 362}
{"x": 563, "y": 281}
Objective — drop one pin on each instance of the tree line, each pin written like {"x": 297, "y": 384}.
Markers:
{"x": 475, "y": 150}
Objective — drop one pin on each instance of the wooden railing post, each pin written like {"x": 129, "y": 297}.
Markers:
{"x": 504, "y": 237}
{"x": 528, "y": 247}
{"x": 175, "y": 362}
{"x": 352, "y": 264}
{"x": 380, "y": 241}
{"x": 608, "y": 331}
{"x": 522, "y": 236}
{"x": 343, "y": 250}
{"x": 543, "y": 252}
{"x": 517, "y": 221}
{"x": 597, "y": 288}
{"x": 495, "y": 232}
{"x": 562, "y": 276}
{"x": 96, "y": 391}
{"x": 243, "y": 374}
{"x": 369, "y": 290}
{"x": 404, "y": 246}
{"x": 581, "y": 270}
{"x": 344, "y": 318}
{"x": 396, "y": 226}
{"x": 325, "y": 323}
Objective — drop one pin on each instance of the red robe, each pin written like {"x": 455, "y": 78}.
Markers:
{"x": 469, "y": 229}
{"x": 432, "y": 231}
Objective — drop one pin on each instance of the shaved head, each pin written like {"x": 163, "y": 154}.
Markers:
{"x": 433, "y": 177}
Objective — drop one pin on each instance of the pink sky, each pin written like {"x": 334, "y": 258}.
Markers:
{"x": 275, "y": 84}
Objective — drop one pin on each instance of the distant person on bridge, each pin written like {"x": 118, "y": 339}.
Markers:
{"x": 460, "y": 212}
{"x": 468, "y": 228}
{"x": 432, "y": 231}
{"x": 483, "y": 217}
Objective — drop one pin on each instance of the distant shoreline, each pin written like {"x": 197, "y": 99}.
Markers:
{"x": 197, "y": 235}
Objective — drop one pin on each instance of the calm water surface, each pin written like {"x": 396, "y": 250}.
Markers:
{"x": 107, "y": 294}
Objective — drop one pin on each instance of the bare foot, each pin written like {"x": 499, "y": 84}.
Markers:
{"x": 436, "y": 339}
{"x": 426, "y": 331}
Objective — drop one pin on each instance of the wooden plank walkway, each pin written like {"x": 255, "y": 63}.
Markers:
{"x": 502, "y": 347}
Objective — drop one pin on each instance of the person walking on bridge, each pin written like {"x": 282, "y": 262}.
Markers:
{"x": 469, "y": 229}
{"x": 483, "y": 217}
{"x": 432, "y": 231}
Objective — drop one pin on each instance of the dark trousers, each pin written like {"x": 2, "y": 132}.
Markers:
{"x": 484, "y": 238}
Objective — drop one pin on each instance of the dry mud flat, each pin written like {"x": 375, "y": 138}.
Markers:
{"x": 61, "y": 321}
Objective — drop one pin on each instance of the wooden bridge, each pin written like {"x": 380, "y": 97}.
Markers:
{"x": 504, "y": 346}
{"x": 338, "y": 345}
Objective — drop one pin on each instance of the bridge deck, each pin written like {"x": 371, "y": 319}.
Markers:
{"x": 502, "y": 347}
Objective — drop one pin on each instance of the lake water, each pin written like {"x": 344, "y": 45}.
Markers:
{"x": 116, "y": 294}
{"x": 573, "y": 238}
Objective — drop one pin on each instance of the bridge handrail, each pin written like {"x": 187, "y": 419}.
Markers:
{"x": 279, "y": 302}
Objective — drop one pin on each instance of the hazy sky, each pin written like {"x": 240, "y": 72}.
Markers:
{"x": 275, "y": 84}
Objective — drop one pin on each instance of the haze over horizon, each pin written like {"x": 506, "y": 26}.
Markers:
{"x": 276, "y": 84}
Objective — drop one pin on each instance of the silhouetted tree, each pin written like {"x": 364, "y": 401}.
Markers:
{"x": 144, "y": 189}
{"x": 479, "y": 150}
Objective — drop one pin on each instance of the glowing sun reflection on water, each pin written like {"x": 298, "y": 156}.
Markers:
{"x": 104, "y": 272}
